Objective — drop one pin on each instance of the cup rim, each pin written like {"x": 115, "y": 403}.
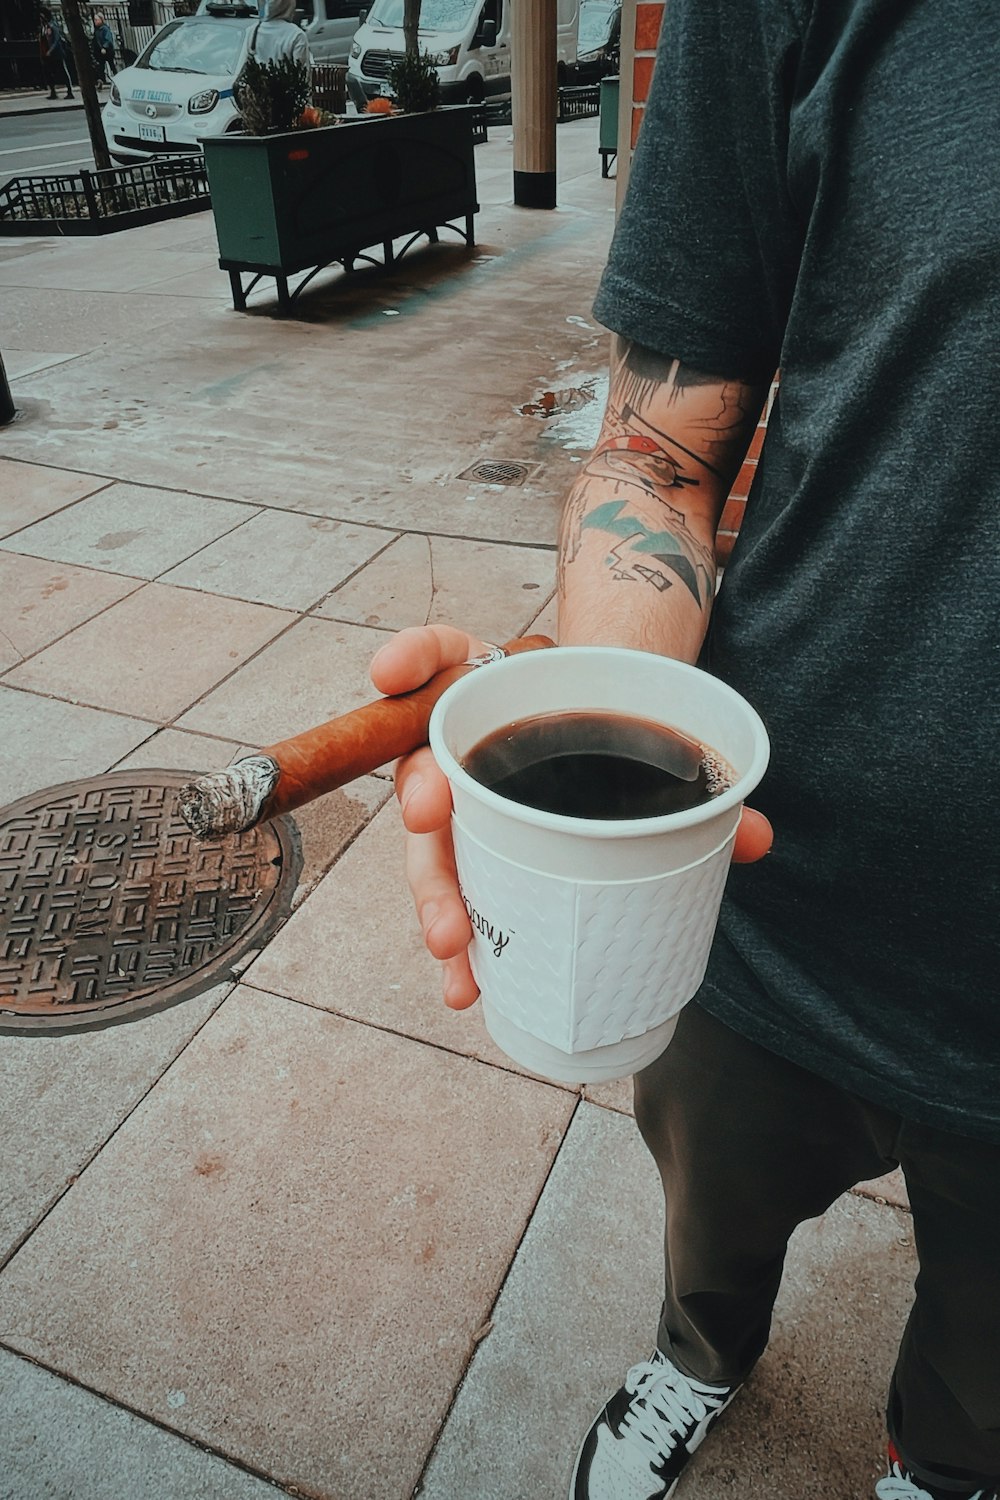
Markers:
{"x": 600, "y": 828}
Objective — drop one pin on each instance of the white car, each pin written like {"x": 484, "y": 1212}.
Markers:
{"x": 180, "y": 89}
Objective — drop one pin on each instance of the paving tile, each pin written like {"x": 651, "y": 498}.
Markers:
{"x": 486, "y": 587}
{"x": 616, "y": 1095}
{"x": 316, "y": 672}
{"x": 31, "y": 491}
{"x": 131, "y": 529}
{"x": 205, "y": 281}
{"x": 73, "y": 267}
{"x": 326, "y": 827}
{"x": 282, "y": 559}
{"x": 581, "y": 1304}
{"x": 199, "y": 416}
{"x": 888, "y": 1189}
{"x": 173, "y": 750}
{"x": 42, "y": 600}
{"x": 18, "y": 362}
{"x": 58, "y": 1442}
{"x": 287, "y": 1250}
{"x": 76, "y": 1091}
{"x": 62, "y": 320}
{"x": 547, "y": 622}
{"x": 46, "y": 742}
{"x": 333, "y": 954}
{"x": 154, "y": 653}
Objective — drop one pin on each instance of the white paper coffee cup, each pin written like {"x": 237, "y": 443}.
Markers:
{"x": 589, "y": 936}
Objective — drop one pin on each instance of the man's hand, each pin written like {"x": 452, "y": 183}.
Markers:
{"x": 406, "y": 661}
{"x": 425, "y": 800}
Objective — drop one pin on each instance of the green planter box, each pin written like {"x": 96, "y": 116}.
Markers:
{"x": 305, "y": 199}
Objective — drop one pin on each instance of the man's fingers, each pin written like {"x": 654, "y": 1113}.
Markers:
{"x": 430, "y": 870}
{"x": 417, "y": 653}
{"x": 423, "y": 792}
{"x": 460, "y": 989}
{"x": 753, "y": 837}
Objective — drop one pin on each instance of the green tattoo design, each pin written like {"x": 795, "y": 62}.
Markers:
{"x": 673, "y": 550}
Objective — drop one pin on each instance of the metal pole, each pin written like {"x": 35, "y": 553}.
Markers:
{"x": 8, "y": 411}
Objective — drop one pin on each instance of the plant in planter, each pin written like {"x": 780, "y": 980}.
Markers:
{"x": 414, "y": 83}
{"x": 272, "y": 95}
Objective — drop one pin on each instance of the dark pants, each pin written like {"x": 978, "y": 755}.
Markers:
{"x": 748, "y": 1146}
{"x": 57, "y": 73}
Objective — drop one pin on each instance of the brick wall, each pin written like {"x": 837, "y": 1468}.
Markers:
{"x": 648, "y": 18}
{"x": 639, "y": 54}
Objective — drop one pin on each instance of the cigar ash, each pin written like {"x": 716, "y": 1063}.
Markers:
{"x": 229, "y": 801}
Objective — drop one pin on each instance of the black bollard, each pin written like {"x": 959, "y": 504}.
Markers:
{"x": 8, "y": 411}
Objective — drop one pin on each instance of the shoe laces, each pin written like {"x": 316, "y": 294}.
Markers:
{"x": 897, "y": 1485}
{"x": 666, "y": 1405}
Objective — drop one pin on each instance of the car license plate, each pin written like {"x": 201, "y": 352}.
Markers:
{"x": 152, "y": 133}
{"x": 385, "y": 90}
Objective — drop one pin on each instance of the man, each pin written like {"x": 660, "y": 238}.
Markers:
{"x": 104, "y": 50}
{"x": 55, "y": 55}
{"x": 277, "y": 36}
{"x": 814, "y": 189}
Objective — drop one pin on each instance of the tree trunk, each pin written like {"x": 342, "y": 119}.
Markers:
{"x": 86, "y": 82}
{"x": 411, "y": 25}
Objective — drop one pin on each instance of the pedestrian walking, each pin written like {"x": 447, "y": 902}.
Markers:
{"x": 814, "y": 190}
{"x": 276, "y": 36}
{"x": 55, "y": 55}
{"x": 104, "y": 50}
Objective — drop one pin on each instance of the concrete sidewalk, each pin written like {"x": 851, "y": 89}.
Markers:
{"x": 37, "y": 102}
{"x": 313, "y": 1232}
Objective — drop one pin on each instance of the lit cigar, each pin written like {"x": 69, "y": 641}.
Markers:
{"x": 286, "y": 775}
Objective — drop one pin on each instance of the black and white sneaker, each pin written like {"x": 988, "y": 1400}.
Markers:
{"x": 645, "y": 1435}
{"x": 899, "y": 1484}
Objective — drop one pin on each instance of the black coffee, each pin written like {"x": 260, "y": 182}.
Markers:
{"x": 597, "y": 765}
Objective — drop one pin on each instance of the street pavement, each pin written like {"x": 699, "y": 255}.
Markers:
{"x": 312, "y": 1232}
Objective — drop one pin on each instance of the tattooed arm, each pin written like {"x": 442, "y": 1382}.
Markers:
{"x": 637, "y": 543}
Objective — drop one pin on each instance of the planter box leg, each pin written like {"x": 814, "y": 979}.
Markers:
{"x": 239, "y": 296}
{"x": 470, "y": 237}
{"x": 432, "y": 234}
{"x": 284, "y": 300}
{"x": 387, "y": 254}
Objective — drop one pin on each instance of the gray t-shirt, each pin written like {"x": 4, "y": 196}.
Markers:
{"x": 816, "y": 188}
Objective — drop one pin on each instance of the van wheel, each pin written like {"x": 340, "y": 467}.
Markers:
{"x": 561, "y": 75}
{"x": 475, "y": 89}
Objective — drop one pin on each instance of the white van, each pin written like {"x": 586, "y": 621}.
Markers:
{"x": 467, "y": 40}
{"x": 329, "y": 25}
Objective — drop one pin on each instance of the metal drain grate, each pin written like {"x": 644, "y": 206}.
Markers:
{"x": 499, "y": 471}
{"x": 110, "y": 908}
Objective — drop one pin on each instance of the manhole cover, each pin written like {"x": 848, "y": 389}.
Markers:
{"x": 111, "y": 909}
{"x": 499, "y": 471}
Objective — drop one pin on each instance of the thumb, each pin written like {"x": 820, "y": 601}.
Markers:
{"x": 754, "y": 837}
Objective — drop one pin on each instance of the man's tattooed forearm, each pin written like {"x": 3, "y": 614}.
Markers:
{"x": 680, "y": 556}
{"x": 643, "y": 379}
{"x": 570, "y": 532}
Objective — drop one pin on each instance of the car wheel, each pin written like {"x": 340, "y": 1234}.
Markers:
{"x": 475, "y": 89}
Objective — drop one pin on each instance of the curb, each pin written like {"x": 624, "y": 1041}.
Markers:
{"x": 68, "y": 107}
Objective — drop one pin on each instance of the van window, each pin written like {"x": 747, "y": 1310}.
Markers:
{"x": 435, "y": 15}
